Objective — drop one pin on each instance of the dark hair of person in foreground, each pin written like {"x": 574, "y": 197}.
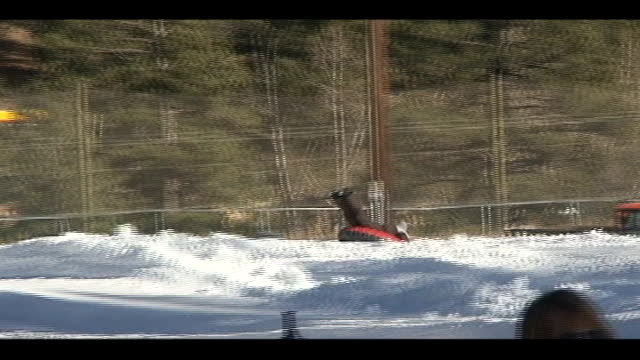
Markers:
{"x": 563, "y": 314}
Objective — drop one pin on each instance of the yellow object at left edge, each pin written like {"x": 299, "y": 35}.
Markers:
{"x": 8, "y": 115}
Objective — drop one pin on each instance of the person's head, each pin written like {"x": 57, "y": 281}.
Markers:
{"x": 562, "y": 314}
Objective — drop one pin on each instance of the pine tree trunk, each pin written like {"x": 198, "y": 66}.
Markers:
{"x": 169, "y": 126}
{"x": 498, "y": 137}
{"x": 85, "y": 163}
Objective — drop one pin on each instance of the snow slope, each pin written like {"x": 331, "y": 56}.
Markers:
{"x": 225, "y": 286}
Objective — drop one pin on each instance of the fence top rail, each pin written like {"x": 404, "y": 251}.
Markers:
{"x": 223, "y": 210}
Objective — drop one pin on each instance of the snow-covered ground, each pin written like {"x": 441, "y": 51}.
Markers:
{"x": 174, "y": 285}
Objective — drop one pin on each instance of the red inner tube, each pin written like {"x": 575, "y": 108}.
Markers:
{"x": 383, "y": 235}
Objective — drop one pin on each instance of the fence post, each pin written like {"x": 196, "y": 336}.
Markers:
{"x": 289, "y": 327}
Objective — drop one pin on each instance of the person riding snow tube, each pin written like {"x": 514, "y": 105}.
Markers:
{"x": 360, "y": 228}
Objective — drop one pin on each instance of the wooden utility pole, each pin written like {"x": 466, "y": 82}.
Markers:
{"x": 378, "y": 91}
